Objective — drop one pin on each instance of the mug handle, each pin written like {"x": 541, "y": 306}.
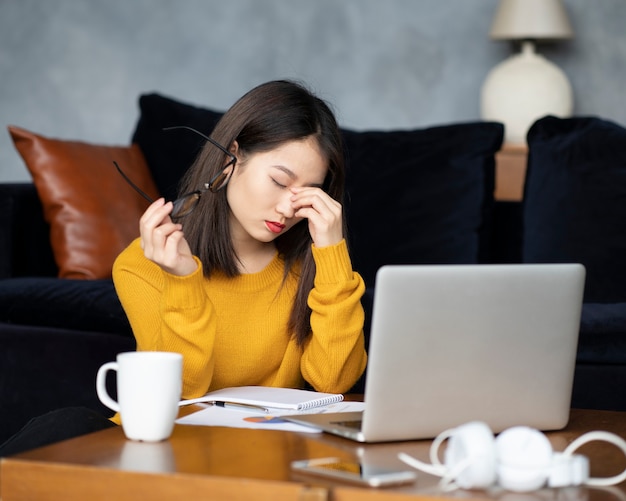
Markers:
{"x": 101, "y": 388}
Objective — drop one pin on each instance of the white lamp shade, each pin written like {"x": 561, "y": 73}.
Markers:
{"x": 530, "y": 19}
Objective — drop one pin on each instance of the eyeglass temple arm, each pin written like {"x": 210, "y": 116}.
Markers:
{"x": 137, "y": 188}
{"x": 212, "y": 141}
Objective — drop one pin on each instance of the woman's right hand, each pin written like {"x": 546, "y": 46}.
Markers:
{"x": 163, "y": 241}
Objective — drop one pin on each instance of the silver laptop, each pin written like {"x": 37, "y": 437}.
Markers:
{"x": 455, "y": 343}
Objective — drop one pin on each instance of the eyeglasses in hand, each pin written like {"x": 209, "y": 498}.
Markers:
{"x": 184, "y": 205}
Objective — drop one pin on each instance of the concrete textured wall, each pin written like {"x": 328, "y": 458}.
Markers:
{"x": 73, "y": 69}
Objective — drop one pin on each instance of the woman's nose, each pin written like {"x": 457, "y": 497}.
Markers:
{"x": 285, "y": 206}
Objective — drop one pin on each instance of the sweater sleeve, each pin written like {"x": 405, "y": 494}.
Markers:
{"x": 168, "y": 313}
{"x": 334, "y": 356}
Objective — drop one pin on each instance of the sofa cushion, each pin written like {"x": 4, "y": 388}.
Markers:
{"x": 420, "y": 196}
{"x": 170, "y": 153}
{"x": 574, "y": 208}
{"x": 45, "y": 368}
{"x": 86, "y": 305}
{"x": 602, "y": 334}
{"x": 92, "y": 212}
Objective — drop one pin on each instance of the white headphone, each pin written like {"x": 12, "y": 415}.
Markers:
{"x": 519, "y": 459}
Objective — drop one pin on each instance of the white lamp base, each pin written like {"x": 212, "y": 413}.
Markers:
{"x": 522, "y": 89}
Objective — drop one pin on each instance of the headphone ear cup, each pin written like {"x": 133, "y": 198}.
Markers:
{"x": 470, "y": 456}
{"x": 524, "y": 459}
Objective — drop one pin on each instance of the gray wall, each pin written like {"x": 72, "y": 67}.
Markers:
{"x": 73, "y": 69}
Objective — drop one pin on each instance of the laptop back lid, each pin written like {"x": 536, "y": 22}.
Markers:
{"x": 455, "y": 343}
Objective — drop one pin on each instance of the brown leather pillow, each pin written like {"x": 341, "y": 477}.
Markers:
{"x": 93, "y": 213}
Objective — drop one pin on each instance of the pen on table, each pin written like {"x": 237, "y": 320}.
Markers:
{"x": 242, "y": 407}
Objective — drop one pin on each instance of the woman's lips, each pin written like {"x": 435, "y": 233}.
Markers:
{"x": 274, "y": 227}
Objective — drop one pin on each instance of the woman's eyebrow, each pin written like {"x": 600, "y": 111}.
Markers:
{"x": 292, "y": 175}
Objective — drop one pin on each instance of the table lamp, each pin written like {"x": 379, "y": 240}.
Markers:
{"x": 527, "y": 86}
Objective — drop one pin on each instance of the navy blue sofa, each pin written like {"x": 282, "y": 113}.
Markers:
{"x": 433, "y": 186}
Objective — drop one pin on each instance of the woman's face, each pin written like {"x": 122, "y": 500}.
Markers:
{"x": 259, "y": 192}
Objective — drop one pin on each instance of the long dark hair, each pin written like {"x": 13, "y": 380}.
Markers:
{"x": 264, "y": 118}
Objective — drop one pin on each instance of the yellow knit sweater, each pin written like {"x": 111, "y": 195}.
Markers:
{"x": 232, "y": 331}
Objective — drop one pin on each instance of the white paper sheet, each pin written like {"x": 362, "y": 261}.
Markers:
{"x": 236, "y": 418}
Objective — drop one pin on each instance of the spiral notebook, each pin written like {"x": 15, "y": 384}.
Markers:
{"x": 266, "y": 397}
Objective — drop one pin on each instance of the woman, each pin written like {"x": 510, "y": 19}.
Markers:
{"x": 254, "y": 285}
{"x": 249, "y": 277}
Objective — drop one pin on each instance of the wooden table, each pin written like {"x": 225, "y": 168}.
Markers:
{"x": 229, "y": 463}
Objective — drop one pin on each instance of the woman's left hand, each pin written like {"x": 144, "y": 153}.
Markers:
{"x": 324, "y": 215}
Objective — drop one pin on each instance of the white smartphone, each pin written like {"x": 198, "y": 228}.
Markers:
{"x": 354, "y": 471}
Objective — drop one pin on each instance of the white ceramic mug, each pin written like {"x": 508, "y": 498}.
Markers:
{"x": 149, "y": 386}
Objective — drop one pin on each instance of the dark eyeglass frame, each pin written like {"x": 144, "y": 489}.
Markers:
{"x": 184, "y": 205}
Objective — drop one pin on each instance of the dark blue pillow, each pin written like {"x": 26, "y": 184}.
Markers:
{"x": 170, "y": 153}
{"x": 420, "y": 196}
{"x": 575, "y": 201}
{"x": 84, "y": 305}
{"x": 602, "y": 334}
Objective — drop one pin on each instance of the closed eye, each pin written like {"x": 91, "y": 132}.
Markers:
{"x": 277, "y": 183}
